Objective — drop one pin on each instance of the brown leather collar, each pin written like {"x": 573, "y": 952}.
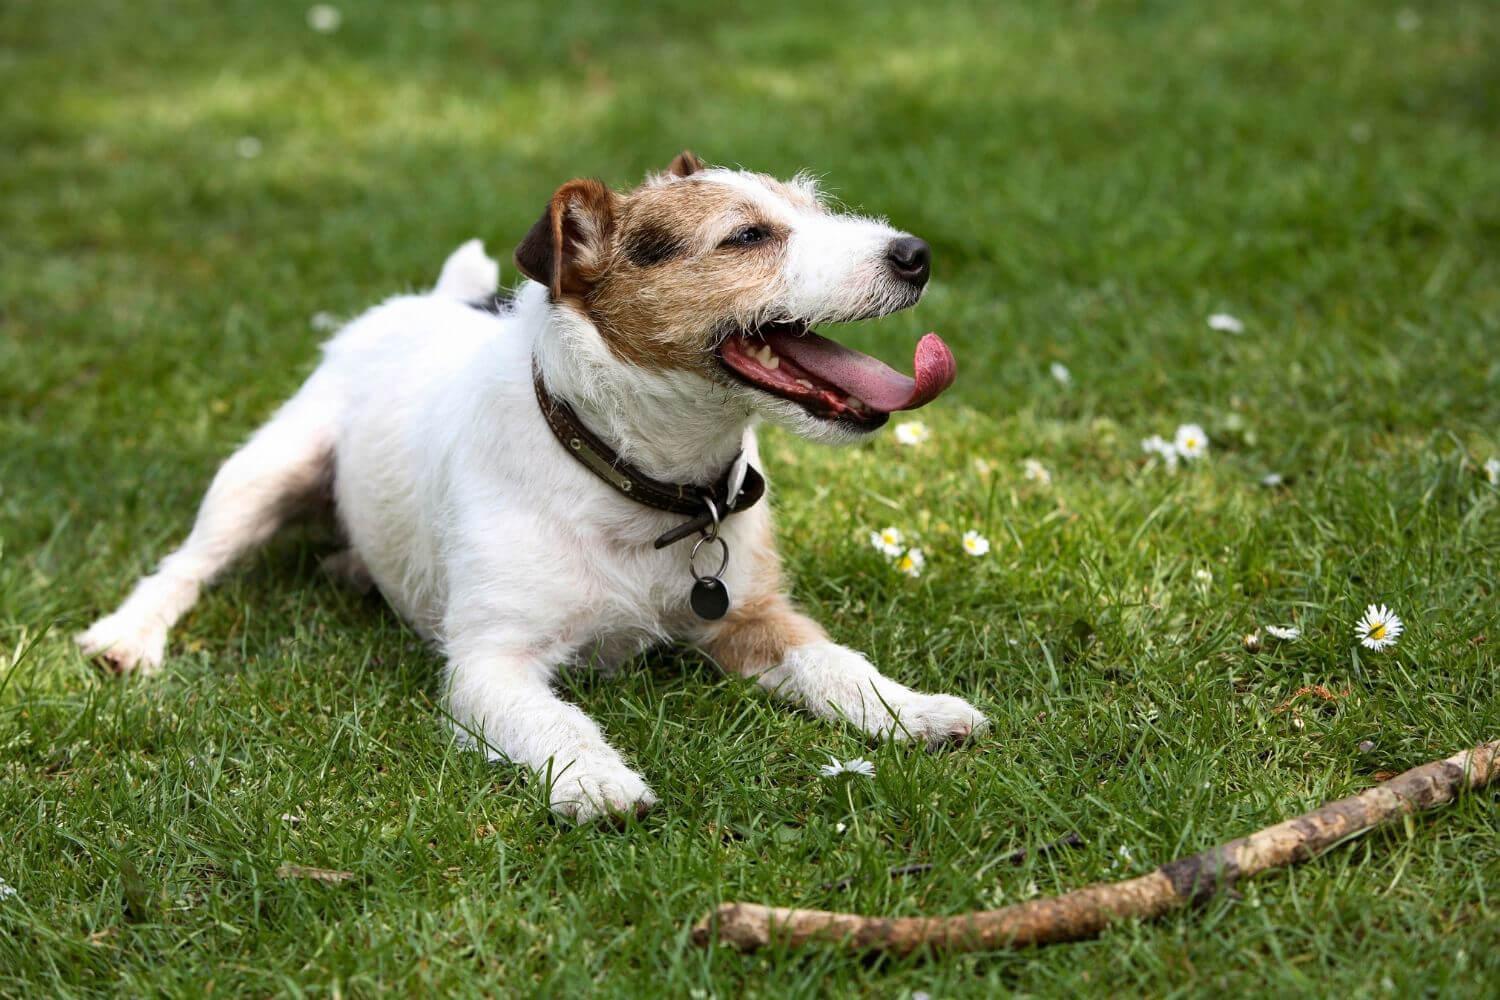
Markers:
{"x": 674, "y": 498}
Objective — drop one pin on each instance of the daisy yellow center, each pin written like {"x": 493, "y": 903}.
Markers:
{"x": 1191, "y": 442}
{"x": 906, "y": 562}
{"x": 1377, "y": 631}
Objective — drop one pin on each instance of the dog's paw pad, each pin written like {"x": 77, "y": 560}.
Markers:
{"x": 586, "y": 792}
{"x": 118, "y": 647}
{"x": 938, "y": 719}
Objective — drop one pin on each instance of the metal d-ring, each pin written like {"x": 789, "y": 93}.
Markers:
{"x": 723, "y": 556}
{"x": 712, "y": 531}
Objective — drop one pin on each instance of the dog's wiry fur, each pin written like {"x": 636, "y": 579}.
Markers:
{"x": 488, "y": 538}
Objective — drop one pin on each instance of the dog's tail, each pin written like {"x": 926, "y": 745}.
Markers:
{"x": 469, "y": 274}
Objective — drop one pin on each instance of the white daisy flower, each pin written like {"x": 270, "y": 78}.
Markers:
{"x": 1191, "y": 442}
{"x": 1286, "y": 633}
{"x": 1036, "y": 472}
{"x": 1060, "y": 373}
{"x": 1225, "y": 323}
{"x": 1160, "y": 446}
{"x": 248, "y": 147}
{"x": 1271, "y": 480}
{"x": 1492, "y": 471}
{"x": 324, "y": 322}
{"x": 912, "y": 432}
{"x": 840, "y": 827}
{"x": 7, "y": 891}
{"x": 976, "y": 544}
{"x": 887, "y": 541}
{"x": 324, "y": 18}
{"x": 1379, "y": 628}
{"x": 1204, "y": 576}
{"x": 911, "y": 562}
{"x": 836, "y": 767}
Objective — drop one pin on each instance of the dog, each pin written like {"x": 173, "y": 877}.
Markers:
{"x": 482, "y": 453}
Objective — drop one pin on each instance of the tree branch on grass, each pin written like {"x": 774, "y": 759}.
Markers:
{"x": 1085, "y": 912}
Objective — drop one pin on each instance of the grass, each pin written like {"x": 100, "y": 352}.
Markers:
{"x": 1096, "y": 178}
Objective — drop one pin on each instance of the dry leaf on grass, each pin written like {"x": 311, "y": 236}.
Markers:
{"x": 329, "y": 876}
{"x": 1317, "y": 691}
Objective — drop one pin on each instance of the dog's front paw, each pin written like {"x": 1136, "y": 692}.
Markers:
{"x": 933, "y": 718}
{"x": 592, "y": 787}
{"x": 123, "y": 646}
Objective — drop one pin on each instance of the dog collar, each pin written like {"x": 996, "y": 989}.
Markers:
{"x": 705, "y": 505}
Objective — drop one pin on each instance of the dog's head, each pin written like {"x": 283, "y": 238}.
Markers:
{"x": 720, "y": 275}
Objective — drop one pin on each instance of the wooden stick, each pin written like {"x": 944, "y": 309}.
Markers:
{"x": 1085, "y": 912}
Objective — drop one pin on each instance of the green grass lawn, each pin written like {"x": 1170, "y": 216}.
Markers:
{"x": 184, "y": 185}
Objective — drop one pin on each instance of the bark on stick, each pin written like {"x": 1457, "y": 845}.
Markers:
{"x": 1085, "y": 912}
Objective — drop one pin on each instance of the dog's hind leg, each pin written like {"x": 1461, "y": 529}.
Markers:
{"x": 285, "y": 463}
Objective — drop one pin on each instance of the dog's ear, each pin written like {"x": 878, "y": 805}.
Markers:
{"x": 567, "y": 247}
{"x": 686, "y": 164}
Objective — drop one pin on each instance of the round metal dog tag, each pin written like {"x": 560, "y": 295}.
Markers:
{"x": 709, "y": 598}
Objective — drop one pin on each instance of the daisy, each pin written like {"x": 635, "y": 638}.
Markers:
{"x": 836, "y": 767}
{"x": 7, "y": 891}
{"x": 1271, "y": 480}
{"x": 1286, "y": 633}
{"x": 911, "y": 563}
{"x": 976, "y": 544}
{"x": 1060, "y": 373}
{"x": 1379, "y": 628}
{"x": 1204, "y": 576}
{"x": 1158, "y": 445}
{"x": 324, "y": 18}
{"x": 324, "y": 322}
{"x": 1492, "y": 471}
{"x": 887, "y": 542}
{"x": 913, "y": 432}
{"x": 1036, "y": 472}
{"x": 1191, "y": 442}
{"x": 1225, "y": 323}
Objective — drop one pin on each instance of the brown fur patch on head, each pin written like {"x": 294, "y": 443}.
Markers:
{"x": 652, "y": 268}
{"x": 672, "y": 282}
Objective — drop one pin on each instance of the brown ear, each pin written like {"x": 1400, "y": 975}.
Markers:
{"x": 567, "y": 247}
{"x": 686, "y": 164}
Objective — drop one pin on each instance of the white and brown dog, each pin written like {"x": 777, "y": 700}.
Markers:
{"x": 504, "y": 475}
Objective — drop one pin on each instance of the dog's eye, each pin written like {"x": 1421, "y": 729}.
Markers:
{"x": 749, "y": 236}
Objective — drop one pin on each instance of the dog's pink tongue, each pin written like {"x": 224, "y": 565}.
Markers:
{"x": 880, "y": 386}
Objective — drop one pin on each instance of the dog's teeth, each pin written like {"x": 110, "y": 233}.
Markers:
{"x": 854, "y": 403}
{"x": 804, "y": 383}
{"x": 766, "y": 357}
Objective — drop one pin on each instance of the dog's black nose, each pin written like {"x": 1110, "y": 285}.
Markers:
{"x": 911, "y": 259}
